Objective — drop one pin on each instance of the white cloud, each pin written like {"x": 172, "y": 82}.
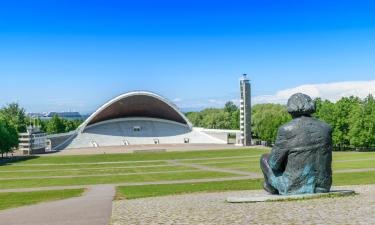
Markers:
{"x": 330, "y": 91}
{"x": 177, "y": 100}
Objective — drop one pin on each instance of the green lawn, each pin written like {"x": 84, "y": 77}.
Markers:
{"x": 116, "y": 165}
{"x": 29, "y": 183}
{"x": 353, "y": 155}
{"x": 132, "y": 192}
{"x": 30, "y": 167}
{"x": 354, "y": 165}
{"x": 141, "y": 156}
{"x": 83, "y": 172}
{"x": 354, "y": 178}
{"x": 17, "y": 199}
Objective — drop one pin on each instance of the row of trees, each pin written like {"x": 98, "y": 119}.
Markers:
{"x": 226, "y": 118}
{"x": 13, "y": 120}
{"x": 266, "y": 118}
{"x": 352, "y": 120}
{"x": 58, "y": 125}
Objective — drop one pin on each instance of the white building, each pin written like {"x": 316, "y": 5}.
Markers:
{"x": 33, "y": 141}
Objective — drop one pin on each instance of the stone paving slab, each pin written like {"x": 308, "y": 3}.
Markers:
{"x": 211, "y": 208}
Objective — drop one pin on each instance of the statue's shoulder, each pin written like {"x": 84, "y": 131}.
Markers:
{"x": 322, "y": 124}
{"x": 288, "y": 126}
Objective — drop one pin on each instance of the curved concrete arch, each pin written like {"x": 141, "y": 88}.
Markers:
{"x": 137, "y": 104}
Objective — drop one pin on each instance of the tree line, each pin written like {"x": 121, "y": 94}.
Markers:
{"x": 352, "y": 120}
{"x": 13, "y": 120}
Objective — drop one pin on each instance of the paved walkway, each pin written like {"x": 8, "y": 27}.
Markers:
{"x": 211, "y": 208}
{"x": 93, "y": 208}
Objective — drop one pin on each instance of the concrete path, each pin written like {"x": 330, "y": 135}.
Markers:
{"x": 93, "y": 208}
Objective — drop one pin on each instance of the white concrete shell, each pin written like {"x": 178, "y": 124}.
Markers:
{"x": 159, "y": 122}
{"x": 172, "y": 109}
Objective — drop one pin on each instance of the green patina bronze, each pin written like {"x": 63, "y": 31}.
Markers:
{"x": 300, "y": 161}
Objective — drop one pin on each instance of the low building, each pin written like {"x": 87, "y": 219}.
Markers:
{"x": 33, "y": 141}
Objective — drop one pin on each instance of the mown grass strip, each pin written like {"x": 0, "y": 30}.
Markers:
{"x": 133, "y": 192}
{"x": 352, "y": 155}
{"x": 358, "y": 178}
{"x": 354, "y": 165}
{"x": 17, "y": 199}
{"x": 139, "y": 156}
{"x": 113, "y": 171}
{"x": 29, "y": 183}
{"x": 78, "y": 166}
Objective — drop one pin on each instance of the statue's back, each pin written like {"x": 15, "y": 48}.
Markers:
{"x": 308, "y": 168}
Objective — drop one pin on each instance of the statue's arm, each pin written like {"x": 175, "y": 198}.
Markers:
{"x": 279, "y": 152}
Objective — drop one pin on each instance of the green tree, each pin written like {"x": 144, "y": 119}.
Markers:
{"x": 230, "y": 107}
{"x": 71, "y": 125}
{"x": 15, "y": 116}
{"x": 325, "y": 111}
{"x": 266, "y": 119}
{"x": 342, "y": 113}
{"x": 8, "y": 137}
{"x": 55, "y": 125}
{"x": 368, "y": 131}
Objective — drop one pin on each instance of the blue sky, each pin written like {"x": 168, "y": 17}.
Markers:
{"x": 75, "y": 55}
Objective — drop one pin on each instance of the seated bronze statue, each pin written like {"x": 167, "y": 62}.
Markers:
{"x": 300, "y": 161}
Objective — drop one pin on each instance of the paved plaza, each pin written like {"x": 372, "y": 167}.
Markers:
{"x": 211, "y": 208}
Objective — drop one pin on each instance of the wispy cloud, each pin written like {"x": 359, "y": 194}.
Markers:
{"x": 330, "y": 91}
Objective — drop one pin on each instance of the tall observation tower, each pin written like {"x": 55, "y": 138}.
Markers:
{"x": 245, "y": 111}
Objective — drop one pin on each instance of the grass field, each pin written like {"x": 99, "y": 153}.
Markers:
{"x": 132, "y": 192}
{"x": 17, "y": 199}
{"x": 163, "y": 166}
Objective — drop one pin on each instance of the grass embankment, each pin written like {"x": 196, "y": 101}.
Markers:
{"x": 47, "y": 182}
{"x": 154, "y": 166}
{"x": 140, "y": 156}
{"x": 116, "y": 165}
{"x": 133, "y": 192}
{"x": 88, "y": 172}
{"x": 17, "y": 199}
{"x": 97, "y": 165}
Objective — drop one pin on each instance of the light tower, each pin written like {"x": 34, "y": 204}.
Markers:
{"x": 245, "y": 111}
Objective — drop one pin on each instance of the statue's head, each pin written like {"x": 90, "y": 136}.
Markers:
{"x": 301, "y": 105}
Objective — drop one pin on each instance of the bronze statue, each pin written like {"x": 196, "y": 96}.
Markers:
{"x": 300, "y": 161}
